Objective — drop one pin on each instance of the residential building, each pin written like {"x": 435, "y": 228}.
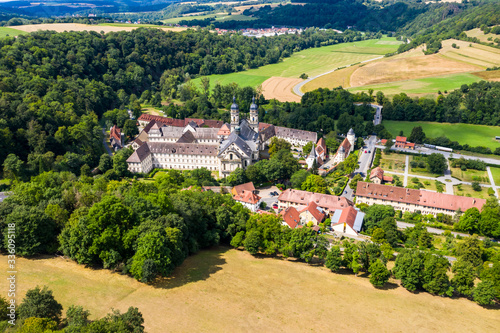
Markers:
{"x": 377, "y": 176}
{"x": 238, "y": 189}
{"x": 299, "y": 199}
{"x": 410, "y": 200}
{"x": 115, "y": 138}
{"x": 312, "y": 213}
{"x": 248, "y": 199}
{"x": 345, "y": 148}
{"x": 402, "y": 143}
{"x": 290, "y": 217}
{"x": 347, "y": 221}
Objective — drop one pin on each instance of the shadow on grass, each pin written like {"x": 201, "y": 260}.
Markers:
{"x": 195, "y": 268}
{"x": 389, "y": 286}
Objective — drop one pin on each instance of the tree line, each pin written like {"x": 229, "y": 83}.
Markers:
{"x": 39, "y": 311}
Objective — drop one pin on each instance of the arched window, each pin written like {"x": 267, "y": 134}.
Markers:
{"x": 230, "y": 156}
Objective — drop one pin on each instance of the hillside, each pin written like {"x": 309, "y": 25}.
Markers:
{"x": 415, "y": 73}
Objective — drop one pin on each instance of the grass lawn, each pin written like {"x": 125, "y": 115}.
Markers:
{"x": 4, "y": 32}
{"x": 222, "y": 290}
{"x": 471, "y": 175}
{"x": 430, "y": 85}
{"x": 473, "y": 135}
{"x": 152, "y": 110}
{"x": 393, "y": 162}
{"x": 496, "y": 175}
{"x": 312, "y": 61}
{"x": 428, "y": 184}
{"x": 467, "y": 191}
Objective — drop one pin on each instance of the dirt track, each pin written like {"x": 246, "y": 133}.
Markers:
{"x": 61, "y": 27}
{"x": 280, "y": 88}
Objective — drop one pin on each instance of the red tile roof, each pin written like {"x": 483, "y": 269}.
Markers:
{"x": 346, "y": 144}
{"x": 321, "y": 146}
{"x": 383, "y": 141}
{"x": 115, "y": 133}
{"x": 325, "y": 201}
{"x": 224, "y": 130}
{"x": 378, "y": 173}
{"x": 247, "y": 196}
{"x": 243, "y": 187}
{"x": 348, "y": 216}
{"x": 401, "y": 139}
{"x": 312, "y": 207}
{"x": 418, "y": 197}
{"x": 291, "y": 217}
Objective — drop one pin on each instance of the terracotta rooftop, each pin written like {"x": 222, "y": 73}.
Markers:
{"x": 378, "y": 173}
{"x": 418, "y": 197}
{"x": 224, "y": 130}
{"x": 401, "y": 139}
{"x": 247, "y": 196}
{"x": 243, "y": 187}
{"x": 321, "y": 146}
{"x": 325, "y": 201}
{"x": 312, "y": 207}
{"x": 115, "y": 133}
{"x": 348, "y": 216}
{"x": 291, "y": 217}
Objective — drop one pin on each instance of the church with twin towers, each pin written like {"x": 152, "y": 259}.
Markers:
{"x": 186, "y": 144}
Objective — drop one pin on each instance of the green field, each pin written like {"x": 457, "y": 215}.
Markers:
{"x": 430, "y": 85}
{"x": 473, "y": 135}
{"x": 221, "y": 17}
{"x": 4, "y": 32}
{"x": 131, "y": 25}
{"x": 312, "y": 61}
{"x": 495, "y": 172}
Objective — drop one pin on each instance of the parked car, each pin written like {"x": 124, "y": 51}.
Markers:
{"x": 275, "y": 206}
{"x": 365, "y": 151}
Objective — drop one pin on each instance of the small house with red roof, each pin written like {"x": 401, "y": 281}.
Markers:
{"x": 347, "y": 221}
{"x": 115, "y": 138}
{"x": 377, "y": 176}
{"x": 312, "y": 213}
{"x": 248, "y": 199}
{"x": 402, "y": 143}
{"x": 291, "y": 217}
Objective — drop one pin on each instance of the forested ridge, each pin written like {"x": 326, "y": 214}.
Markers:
{"x": 56, "y": 86}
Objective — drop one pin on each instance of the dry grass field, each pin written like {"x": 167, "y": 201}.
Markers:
{"x": 399, "y": 69}
{"x": 223, "y": 290}
{"x": 481, "y": 35}
{"x": 341, "y": 77}
{"x": 280, "y": 88}
{"x": 61, "y": 27}
{"x": 489, "y": 75}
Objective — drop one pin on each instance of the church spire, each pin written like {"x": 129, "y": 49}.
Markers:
{"x": 254, "y": 116}
{"x": 235, "y": 115}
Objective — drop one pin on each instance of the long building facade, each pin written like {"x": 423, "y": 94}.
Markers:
{"x": 196, "y": 143}
{"x": 410, "y": 200}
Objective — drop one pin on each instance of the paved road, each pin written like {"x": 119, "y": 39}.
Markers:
{"x": 297, "y": 89}
{"x": 404, "y": 225}
{"x": 105, "y": 144}
{"x": 3, "y": 195}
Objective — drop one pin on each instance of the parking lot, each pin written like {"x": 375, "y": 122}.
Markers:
{"x": 265, "y": 194}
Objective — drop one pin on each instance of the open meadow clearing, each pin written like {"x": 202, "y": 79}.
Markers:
{"x": 218, "y": 17}
{"x": 473, "y": 135}
{"x": 280, "y": 88}
{"x": 229, "y": 290}
{"x": 61, "y": 27}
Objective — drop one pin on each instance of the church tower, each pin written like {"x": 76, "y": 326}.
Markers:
{"x": 235, "y": 115}
{"x": 254, "y": 116}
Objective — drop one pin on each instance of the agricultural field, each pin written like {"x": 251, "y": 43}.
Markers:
{"x": 218, "y": 17}
{"x": 421, "y": 87}
{"x": 471, "y": 175}
{"x": 312, "y": 61}
{"x": 110, "y": 27}
{"x": 489, "y": 75}
{"x": 416, "y": 74}
{"x": 473, "y": 135}
{"x": 230, "y": 290}
{"x": 4, "y": 32}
